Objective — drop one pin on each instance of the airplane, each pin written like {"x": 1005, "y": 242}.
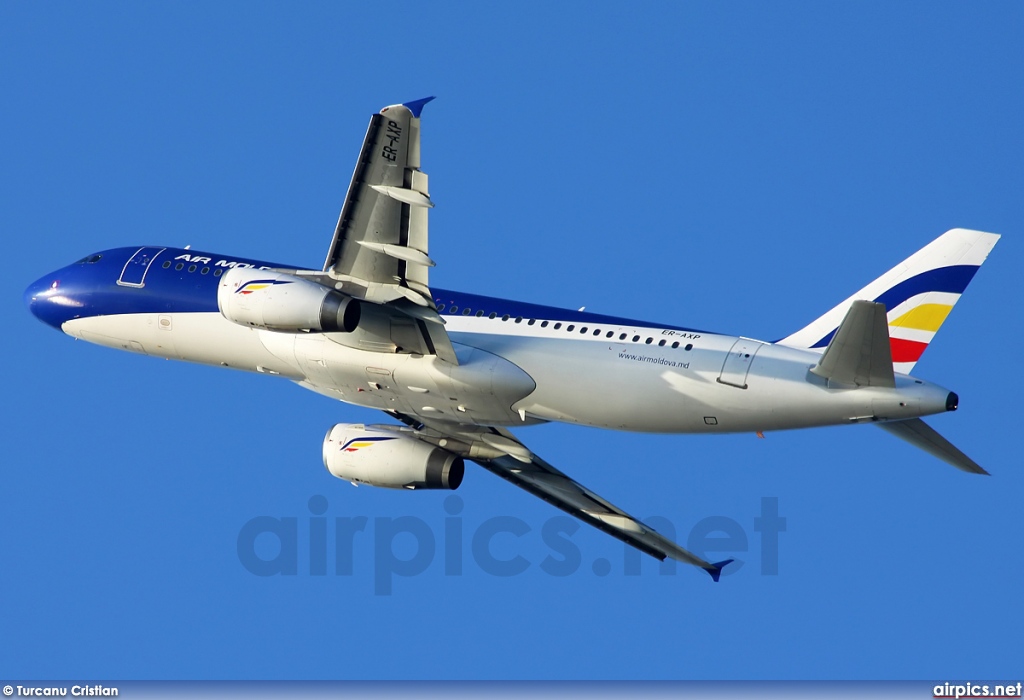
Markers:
{"x": 457, "y": 371}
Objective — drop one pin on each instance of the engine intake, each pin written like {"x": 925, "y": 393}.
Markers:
{"x": 387, "y": 457}
{"x": 278, "y": 301}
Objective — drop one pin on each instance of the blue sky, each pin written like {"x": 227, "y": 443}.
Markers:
{"x": 736, "y": 167}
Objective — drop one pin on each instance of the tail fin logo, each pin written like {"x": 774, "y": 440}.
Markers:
{"x": 918, "y": 295}
{"x": 917, "y": 308}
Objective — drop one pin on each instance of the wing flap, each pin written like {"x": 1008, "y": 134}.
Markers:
{"x": 385, "y": 211}
{"x": 379, "y": 252}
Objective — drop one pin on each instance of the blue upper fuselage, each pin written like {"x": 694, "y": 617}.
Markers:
{"x": 174, "y": 280}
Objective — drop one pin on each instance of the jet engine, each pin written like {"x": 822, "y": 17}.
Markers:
{"x": 382, "y": 456}
{"x": 281, "y": 302}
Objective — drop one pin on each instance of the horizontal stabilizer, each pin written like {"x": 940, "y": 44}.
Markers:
{"x": 859, "y": 354}
{"x": 920, "y": 434}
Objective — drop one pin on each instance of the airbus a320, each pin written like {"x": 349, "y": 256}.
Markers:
{"x": 457, "y": 371}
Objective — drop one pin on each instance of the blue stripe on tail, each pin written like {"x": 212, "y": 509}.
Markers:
{"x": 953, "y": 279}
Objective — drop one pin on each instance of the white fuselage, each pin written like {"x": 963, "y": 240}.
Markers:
{"x": 518, "y": 373}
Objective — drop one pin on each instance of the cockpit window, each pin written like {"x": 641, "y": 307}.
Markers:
{"x": 88, "y": 260}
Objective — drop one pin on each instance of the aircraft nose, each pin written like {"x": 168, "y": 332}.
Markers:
{"x": 48, "y": 302}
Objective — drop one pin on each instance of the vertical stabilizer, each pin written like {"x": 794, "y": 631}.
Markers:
{"x": 918, "y": 293}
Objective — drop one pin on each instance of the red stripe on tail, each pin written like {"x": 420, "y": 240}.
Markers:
{"x": 906, "y": 350}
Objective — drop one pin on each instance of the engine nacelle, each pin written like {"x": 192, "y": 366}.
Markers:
{"x": 280, "y": 302}
{"x": 386, "y": 457}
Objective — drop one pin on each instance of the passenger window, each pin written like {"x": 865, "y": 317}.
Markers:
{"x": 557, "y": 326}
{"x": 569, "y": 328}
{"x": 440, "y": 307}
{"x": 622, "y": 336}
{"x": 217, "y": 273}
{"x": 453, "y": 309}
{"x": 543, "y": 324}
{"x": 649, "y": 341}
{"x": 493, "y": 315}
{"x": 636, "y": 338}
{"x": 519, "y": 319}
{"x": 505, "y": 317}
{"x": 205, "y": 271}
{"x": 191, "y": 268}
{"x": 479, "y": 314}
{"x": 167, "y": 264}
{"x": 689, "y": 346}
{"x": 179, "y": 266}
{"x": 583, "y": 330}
{"x": 530, "y": 322}
{"x": 661, "y": 343}
{"x": 467, "y": 312}
{"x": 675, "y": 344}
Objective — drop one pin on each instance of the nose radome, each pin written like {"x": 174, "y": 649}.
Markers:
{"x": 32, "y": 293}
{"x": 44, "y": 300}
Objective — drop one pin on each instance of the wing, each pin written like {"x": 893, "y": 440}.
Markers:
{"x": 381, "y": 237}
{"x": 379, "y": 251}
{"x": 499, "y": 452}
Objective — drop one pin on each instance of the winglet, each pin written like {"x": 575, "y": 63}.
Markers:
{"x": 416, "y": 106}
{"x": 716, "y": 569}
